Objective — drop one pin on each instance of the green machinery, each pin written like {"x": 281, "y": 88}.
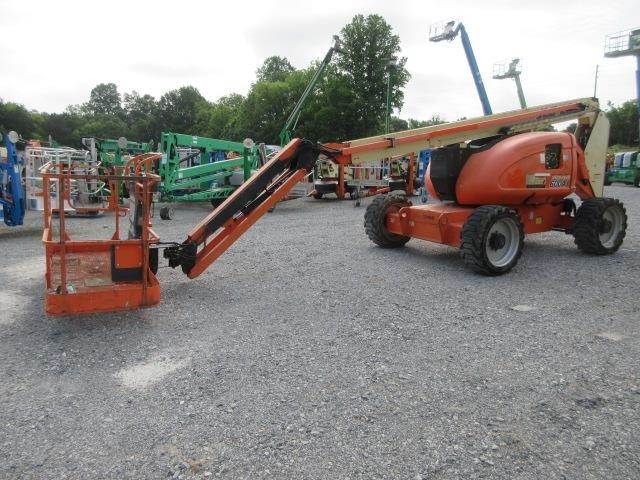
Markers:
{"x": 325, "y": 172}
{"x": 110, "y": 152}
{"x": 195, "y": 168}
{"x": 625, "y": 169}
{"x": 292, "y": 121}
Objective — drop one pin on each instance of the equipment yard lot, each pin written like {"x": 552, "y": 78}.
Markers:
{"x": 307, "y": 352}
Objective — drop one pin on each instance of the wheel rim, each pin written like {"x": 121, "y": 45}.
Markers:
{"x": 611, "y": 226}
{"x": 502, "y": 242}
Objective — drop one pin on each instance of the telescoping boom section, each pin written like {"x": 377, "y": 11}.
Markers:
{"x": 574, "y": 163}
{"x": 209, "y": 239}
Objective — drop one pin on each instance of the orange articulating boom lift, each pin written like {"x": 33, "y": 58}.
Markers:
{"x": 497, "y": 179}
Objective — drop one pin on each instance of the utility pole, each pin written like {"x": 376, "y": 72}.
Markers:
{"x": 391, "y": 65}
{"x": 595, "y": 83}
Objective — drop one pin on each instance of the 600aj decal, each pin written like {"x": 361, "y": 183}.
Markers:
{"x": 560, "y": 181}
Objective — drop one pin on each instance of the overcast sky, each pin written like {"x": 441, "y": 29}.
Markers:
{"x": 53, "y": 52}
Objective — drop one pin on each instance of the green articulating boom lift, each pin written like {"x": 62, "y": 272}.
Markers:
{"x": 292, "y": 121}
{"x": 195, "y": 168}
{"x": 325, "y": 172}
{"x": 109, "y": 152}
{"x": 111, "y": 155}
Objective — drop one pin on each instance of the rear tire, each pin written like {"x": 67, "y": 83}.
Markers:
{"x": 601, "y": 225}
{"x": 375, "y": 221}
{"x": 636, "y": 181}
{"x": 492, "y": 240}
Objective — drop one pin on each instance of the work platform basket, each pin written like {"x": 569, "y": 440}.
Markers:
{"x": 97, "y": 275}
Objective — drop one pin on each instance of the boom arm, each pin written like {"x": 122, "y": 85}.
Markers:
{"x": 294, "y": 116}
{"x": 449, "y": 32}
{"x": 222, "y": 227}
{"x": 211, "y": 237}
{"x": 475, "y": 71}
{"x": 178, "y": 177}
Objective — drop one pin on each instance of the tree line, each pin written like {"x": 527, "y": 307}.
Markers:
{"x": 349, "y": 101}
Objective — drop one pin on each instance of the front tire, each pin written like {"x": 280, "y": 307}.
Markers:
{"x": 375, "y": 219}
{"x": 492, "y": 240}
{"x": 601, "y": 225}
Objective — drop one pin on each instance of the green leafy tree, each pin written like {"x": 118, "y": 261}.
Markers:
{"x": 14, "y": 116}
{"x": 274, "y": 69}
{"x": 368, "y": 47}
{"x": 397, "y": 124}
{"x": 268, "y": 105}
{"x": 62, "y": 127}
{"x": 331, "y": 112}
{"x": 141, "y": 113}
{"x": 220, "y": 119}
{"x": 178, "y": 109}
{"x": 349, "y": 101}
{"x": 434, "y": 120}
{"x": 102, "y": 126}
{"x": 624, "y": 123}
{"x": 104, "y": 100}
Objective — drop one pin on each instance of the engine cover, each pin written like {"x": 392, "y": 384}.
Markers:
{"x": 532, "y": 168}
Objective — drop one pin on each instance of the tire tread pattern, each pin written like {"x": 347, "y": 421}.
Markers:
{"x": 473, "y": 237}
{"x": 375, "y": 221}
{"x": 587, "y": 225}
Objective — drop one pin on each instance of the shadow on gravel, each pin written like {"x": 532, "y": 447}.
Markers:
{"x": 20, "y": 232}
{"x": 33, "y": 320}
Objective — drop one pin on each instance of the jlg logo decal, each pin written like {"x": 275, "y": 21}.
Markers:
{"x": 560, "y": 181}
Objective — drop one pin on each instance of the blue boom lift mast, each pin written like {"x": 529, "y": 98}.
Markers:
{"x": 449, "y": 31}
{"x": 11, "y": 190}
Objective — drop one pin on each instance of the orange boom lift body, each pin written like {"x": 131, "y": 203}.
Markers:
{"x": 497, "y": 179}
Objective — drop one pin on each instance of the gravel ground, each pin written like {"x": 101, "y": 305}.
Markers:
{"x": 307, "y": 352}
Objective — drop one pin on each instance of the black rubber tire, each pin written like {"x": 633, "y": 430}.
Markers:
{"x": 216, "y": 202}
{"x": 325, "y": 187}
{"x": 636, "y": 181}
{"x": 589, "y": 223}
{"x": 399, "y": 184}
{"x": 166, "y": 213}
{"x": 375, "y": 221}
{"x": 474, "y": 236}
{"x": 607, "y": 182}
